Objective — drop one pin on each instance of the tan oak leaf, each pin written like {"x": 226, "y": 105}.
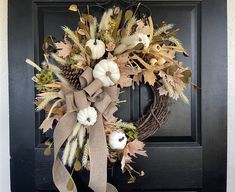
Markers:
{"x": 131, "y": 150}
{"x": 149, "y": 76}
{"x": 63, "y": 49}
{"x": 47, "y": 123}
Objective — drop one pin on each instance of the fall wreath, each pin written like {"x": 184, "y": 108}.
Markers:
{"x": 79, "y": 84}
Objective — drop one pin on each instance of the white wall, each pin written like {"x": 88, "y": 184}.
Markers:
{"x": 231, "y": 97}
{"x": 4, "y": 124}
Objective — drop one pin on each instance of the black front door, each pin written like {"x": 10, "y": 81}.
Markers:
{"x": 187, "y": 154}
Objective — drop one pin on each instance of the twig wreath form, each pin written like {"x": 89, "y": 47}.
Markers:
{"x": 79, "y": 84}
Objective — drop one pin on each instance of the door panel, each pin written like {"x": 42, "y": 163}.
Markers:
{"x": 187, "y": 154}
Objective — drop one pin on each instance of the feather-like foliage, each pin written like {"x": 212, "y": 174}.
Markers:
{"x": 104, "y": 22}
{"x": 54, "y": 68}
{"x": 66, "y": 153}
{"x": 72, "y": 153}
{"x": 93, "y": 28}
{"x": 62, "y": 79}
{"x": 81, "y": 135}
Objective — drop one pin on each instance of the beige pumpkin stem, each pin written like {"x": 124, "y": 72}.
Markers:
{"x": 109, "y": 75}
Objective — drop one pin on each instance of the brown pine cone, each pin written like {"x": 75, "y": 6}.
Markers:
{"x": 72, "y": 75}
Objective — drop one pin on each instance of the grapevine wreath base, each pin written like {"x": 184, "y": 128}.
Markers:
{"x": 155, "y": 116}
{"x": 79, "y": 84}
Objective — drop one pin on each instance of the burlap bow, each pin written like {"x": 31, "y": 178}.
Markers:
{"x": 104, "y": 99}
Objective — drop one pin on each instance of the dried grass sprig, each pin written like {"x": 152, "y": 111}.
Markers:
{"x": 30, "y": 62}
{"x": 54, "y": 68}
{"x": 62, "y": 79}
{"x": 58, "y": 59}
{"x": 163, "y": 29}
{"x": 176, "y": 41}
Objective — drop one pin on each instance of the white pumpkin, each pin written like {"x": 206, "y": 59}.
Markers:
{"x": 107, "y": 71}
{"x": 87, "y": 116}
{"x": 117, "y": 140}
{"x": 97, "y": 48}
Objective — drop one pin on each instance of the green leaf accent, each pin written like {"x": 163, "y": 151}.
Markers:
{"x": 132, "y": 179}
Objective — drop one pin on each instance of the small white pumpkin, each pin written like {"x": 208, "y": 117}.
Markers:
{"x": 107, "y": 71}
{"x": 87, "y": 116}
{"x": 117, "y": 140}
{"x": 97, "y": 48}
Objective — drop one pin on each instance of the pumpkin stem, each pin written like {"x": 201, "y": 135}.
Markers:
{"x": 109, "y": 75}
{"x": 95, "y": 43}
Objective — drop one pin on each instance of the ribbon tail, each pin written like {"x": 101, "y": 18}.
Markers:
{"x": 98, "y": 156}
{"x": 62, "y": 131}
{"x": 111, "y": 188}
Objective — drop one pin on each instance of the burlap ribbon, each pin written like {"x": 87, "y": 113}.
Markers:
{"x": 104, "y": 100}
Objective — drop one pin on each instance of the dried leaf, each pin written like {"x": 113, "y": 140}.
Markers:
{"x": 149, "y": 77}
{"x": 131, "y": 149}
{"x": 47, "y": 151}
{"x": 125, "y": 81}
{"x": 52, "y": 85}
{"x": 128, "y": 14}
{"x": 186, "y": 76}
{"x": 81, "y": 32}
{"x": 132, "y": 180}
{"x": 63, "y": 49}
{"x": 162, "y": 91}
{"x": 47, "y": 123}
{"x": 142, "y": 27}
{"x": 73, "y": 7}
{"x": 77, "y": 166}
{"x": 70, "y": 185}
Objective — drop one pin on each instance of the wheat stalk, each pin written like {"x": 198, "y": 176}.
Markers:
{"x": 45, "y": 102}
{"x": 85, "y": 154}
{"x": 176, "y": 41}
{"x": 163, "y": 29}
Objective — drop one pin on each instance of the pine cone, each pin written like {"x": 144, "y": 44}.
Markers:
{"x": 72, "y": 75}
